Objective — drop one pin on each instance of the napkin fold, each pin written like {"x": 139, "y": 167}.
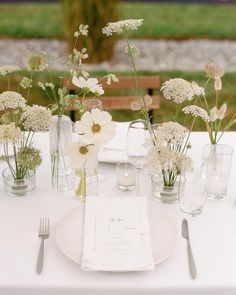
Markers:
{"x": 116, "y": 235}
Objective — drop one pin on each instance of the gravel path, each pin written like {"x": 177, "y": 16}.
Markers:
{"x": 155, "y": 55}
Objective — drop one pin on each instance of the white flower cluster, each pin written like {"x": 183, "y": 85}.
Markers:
{"x": 177, "y": 90}
{"x": 79, "y": 56}
{"x": 197, "y": 111}
{"x": 122, "y": 26}
{"x": 9, "y": 133}
{"x": 162, "y": 158}
{"x": 11, "y": 100}
{"x": 111, "y": 78}
{"x": 26, "y": 83}
{"x": 37, "y": 118}
{"x": 171, "y": 133}
{"x": 83, "y": 30}
{"x": 8, "y": 69}
{"x": 197, "y": 90}
{"x": 43, "y": 86}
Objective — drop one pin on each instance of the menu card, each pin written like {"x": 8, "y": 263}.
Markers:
{"x": 116, "y": 234}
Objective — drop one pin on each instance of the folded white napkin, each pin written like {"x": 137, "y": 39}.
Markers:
{"x": 116, "y": 235}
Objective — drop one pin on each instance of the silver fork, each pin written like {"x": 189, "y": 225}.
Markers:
{"x": 43, "y": 234}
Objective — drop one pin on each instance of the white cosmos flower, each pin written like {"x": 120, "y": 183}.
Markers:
{"x": 82, "y": 155}
{"x": 96, "y": 127}
{"x": 91, "y": 84}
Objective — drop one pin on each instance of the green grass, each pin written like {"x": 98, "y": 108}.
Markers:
{"x": 167, "y": 109}
{"x": 160, "y": 20}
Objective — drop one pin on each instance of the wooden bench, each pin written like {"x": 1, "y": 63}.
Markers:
{"x": 112, "y": 100}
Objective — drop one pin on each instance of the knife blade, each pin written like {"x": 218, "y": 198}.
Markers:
{"x": 185, "y": 235}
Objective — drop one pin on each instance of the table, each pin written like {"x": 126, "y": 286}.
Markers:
{"x": 213, "y": 236}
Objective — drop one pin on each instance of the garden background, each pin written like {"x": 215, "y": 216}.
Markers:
{"x": 175, "y": 40}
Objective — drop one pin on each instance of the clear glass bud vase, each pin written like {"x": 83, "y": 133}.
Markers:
{"x": 60, "y": 136}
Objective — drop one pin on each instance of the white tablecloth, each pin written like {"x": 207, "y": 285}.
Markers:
{"x": 213, "y": 236}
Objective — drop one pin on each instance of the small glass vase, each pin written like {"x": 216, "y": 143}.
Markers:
{"x": 86, "y": 183}
{"x": 167, "y": 194}
{"x": 18, "y": 187}
{"x": 217, "y": 160}
{"x": 60, "y": 136}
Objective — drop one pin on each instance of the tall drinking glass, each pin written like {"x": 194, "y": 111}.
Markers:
{"x": 92, "y": 103}
{"x": 136, "y": 149}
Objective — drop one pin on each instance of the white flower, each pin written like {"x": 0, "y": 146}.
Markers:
{"x": 76, "y": 34}
{"x": 9, "y": 133}
{"x": 37, "y": 62}
{"x": 122, "y": 26}
{"x": 141, "y": 103}
{"x": 111, "y": 78}
{"x": 89, "y": 85}
{"x": 11, "y": 100}
{"x": 162, "y": 158}
{"x": 170, "y": 133}
{"x": 177, "y": 90}
{"x": 26, "y": 83}
{"x": 213, "y": 70}
{"x": 197, "y": 90}
{"x": 8, "y": 69}
{"x": 37, "y": 118}
{"x": 96, "y": 127}
{"x": 216, "y": 114}
{"x": 78, "y": 56}
{"x": 217, "y": 84}
{"x": 83, "y": 30}
{"x": 132, "y": 50}
{"x": 82, "y": 155}
{"x": 197, "y": 111}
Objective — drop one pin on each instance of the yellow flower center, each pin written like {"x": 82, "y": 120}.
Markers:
{"x": 83, "y": 150}
{"x": 96, "y": 128}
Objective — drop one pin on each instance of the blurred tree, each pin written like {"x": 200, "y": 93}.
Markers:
{"x": 96, "y": 14}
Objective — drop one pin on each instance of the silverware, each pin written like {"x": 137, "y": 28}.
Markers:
{"x": 43, "y": 234}
{"x": 185, "y": 235}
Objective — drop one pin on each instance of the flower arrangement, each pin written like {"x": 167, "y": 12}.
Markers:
{"x": 94, "y": 129}
{"x": 18, "y": 124}
{"x": 210, "y": 112}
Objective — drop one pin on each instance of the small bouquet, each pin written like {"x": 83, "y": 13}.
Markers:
{"x": 18, "y": 124}
{"x": 94, "y": 129}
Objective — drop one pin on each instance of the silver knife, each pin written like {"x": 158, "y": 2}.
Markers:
{"x": 185, "y": 235}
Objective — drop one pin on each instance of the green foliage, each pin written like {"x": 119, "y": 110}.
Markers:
{"x": 96, "y": 14}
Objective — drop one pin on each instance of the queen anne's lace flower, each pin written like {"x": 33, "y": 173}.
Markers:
{"x": 177, "y": 90}
{"x": 26, "y": 83}
{"x": 122, "y": 26}
{"x": 8, "y": 69}
{"x": 96, "y": 127}
{"x": 213, "y": 70}
{"x": 37, "y": 118}
{"x": 9, "y": 133}
{"x": 197, "y": 111}
{"x": 11, "y": 100}
{"x": 197, "y": 90}
{"x": 170, "y": 132}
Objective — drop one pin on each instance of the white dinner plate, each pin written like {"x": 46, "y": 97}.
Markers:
{"x": 69, "y": 234}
